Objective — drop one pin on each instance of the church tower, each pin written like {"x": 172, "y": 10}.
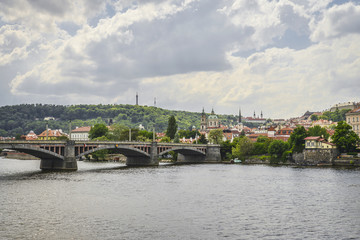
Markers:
{"x": 203, "y": 121}
{"x": 239, "y": 115}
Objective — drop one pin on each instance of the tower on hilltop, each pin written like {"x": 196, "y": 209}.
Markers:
{"x": 137, "y": 99}
{"x": 203, "y": 121}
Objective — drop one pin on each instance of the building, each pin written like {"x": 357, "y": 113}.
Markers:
{"x": 254, "y": 119}
{"x": 31, "y": 136}
{"x": 318, "y": 143}
{"x": 80, "y": 134}
{"x": 51, "y": 134}
{"x": 209, "y": 123}
{"x": 353, "y": 119}
{"x": 347, "y": 105}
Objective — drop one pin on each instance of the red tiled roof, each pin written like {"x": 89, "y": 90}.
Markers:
{"x": 82, "y": 129}
{"x": 356, "y": 110}
{"x": 312, "y": 138}
{"x": 51, "y": 133}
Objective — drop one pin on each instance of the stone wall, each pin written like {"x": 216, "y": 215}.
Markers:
{"x": 314, "y": 157}
{"x": 298, "y": 158}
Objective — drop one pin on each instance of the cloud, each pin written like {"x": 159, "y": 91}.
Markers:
{"x": 337, "y": 21}
{"x": 277, "y": 56}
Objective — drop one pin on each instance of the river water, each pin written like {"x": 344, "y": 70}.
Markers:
{"x": 207, "y": 201}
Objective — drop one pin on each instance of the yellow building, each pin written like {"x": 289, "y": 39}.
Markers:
{"x": 51, "y": 134}
{"x": 353, "y": 119}
{"x": 318, "y": 143}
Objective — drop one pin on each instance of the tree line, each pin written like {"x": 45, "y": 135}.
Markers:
{"x": 20, "y": 119}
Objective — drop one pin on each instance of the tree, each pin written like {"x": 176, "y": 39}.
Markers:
{"x": 243, "y": 148}
{"x": 172, "y": 127}
{"x": 226, "y": 149}
{"x": 165, "y": 139}
{"x": 98, "y": 130}
{"x": 314, "y": 117}
{"x": 278, "y": 147}
{"x": 345, "y": 139}
{"x": 296, "y": 140}
{"x": 318, "y": 131}
{"x": 216, "y": 136}
{"x": 202, "y": 139}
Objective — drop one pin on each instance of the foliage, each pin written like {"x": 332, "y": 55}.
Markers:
{"x": 98, "y": 130}
{"x": 345, "y": 139}
{"x": 318, "y": 131}
{"x": 261, "y": 145}
{"x": 243, "y": 148}
{"x": 202, "y": 139}
{"x": 172, "y": 127}
{"x": 215, "y": 136}
{"x": 62, "y": 138}
{"x": 176, "y": 138}
{"x": 296, "y": 140}
{"x": 100, "y": 155}
{"x": 277, "y": 147}
{"x": 188, "y": 133}
{"x": 102, "y": 139}
{"x": 165, "y": 140}
{"x": 314, "y": 117}
{"x": 226, "y": 149}
{"x": 337, "y": 116}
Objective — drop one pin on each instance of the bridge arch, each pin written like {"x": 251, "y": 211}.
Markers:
{"x": 184, "y": 151}
{"x": 127, "y": 151}
{"x": 36, "y": 151}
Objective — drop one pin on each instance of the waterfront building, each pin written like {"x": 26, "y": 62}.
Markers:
{"x": 80, "y": 133}
{"x": 31, "y": 136}
{"x": 353, "y": 119}
{"x": 51, "y": 134}
{"x": 318, "y": 142}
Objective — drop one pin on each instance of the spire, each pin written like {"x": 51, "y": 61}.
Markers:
{"x": 212, "y": 111}
{"x": 261, "y": 115}
{"x": 137, "y": 98}
{"x": 239, "y": 115}
{"x": 254, "y": 114}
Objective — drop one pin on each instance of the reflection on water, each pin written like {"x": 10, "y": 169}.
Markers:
{"x": 210, "y": 201}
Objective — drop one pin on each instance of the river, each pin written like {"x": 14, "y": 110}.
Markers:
{"x": 205, "y": 201}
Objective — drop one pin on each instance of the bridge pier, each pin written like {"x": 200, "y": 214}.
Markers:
{"x": 69, "y": 162}
{"x": 182, "y": 158}
{"x": 213, "y": 154}
{"x": 153, "y": 160}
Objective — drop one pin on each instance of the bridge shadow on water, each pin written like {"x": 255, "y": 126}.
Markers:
{"x": 51, "y": 175}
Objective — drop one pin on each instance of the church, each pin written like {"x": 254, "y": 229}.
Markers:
{"x": 209, "y": 123}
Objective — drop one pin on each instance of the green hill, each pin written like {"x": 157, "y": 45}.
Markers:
{"x": 20, "y": 119}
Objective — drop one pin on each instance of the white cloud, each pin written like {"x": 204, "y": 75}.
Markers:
{"x": 337, "y": 21}
{"x": 250, "y": 54}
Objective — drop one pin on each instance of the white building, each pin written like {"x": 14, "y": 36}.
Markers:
{"x": 80, "y": 134}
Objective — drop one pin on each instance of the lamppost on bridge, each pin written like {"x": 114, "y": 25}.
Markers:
{"x": 69, "y": 129}
{"x": 47, "y": 130}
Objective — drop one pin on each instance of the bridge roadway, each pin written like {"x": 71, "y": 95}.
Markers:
{"x": 63, "y": 155}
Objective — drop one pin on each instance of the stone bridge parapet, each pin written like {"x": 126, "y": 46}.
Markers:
{"x": 63, "y": 155}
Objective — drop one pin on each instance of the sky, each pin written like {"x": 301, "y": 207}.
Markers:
{"x": 281, "y": 57}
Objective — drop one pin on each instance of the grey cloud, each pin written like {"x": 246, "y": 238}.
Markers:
{"x": 192, "y": 40}
{"x": 55, "y": 7}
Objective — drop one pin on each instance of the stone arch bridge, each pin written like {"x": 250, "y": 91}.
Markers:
{"x": 63, "y": 155}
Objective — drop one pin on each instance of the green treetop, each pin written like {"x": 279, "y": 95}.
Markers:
{"x": 172, "y": 127}
{"x": 98, "y": 130}
{"x": 345, "y": 138}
